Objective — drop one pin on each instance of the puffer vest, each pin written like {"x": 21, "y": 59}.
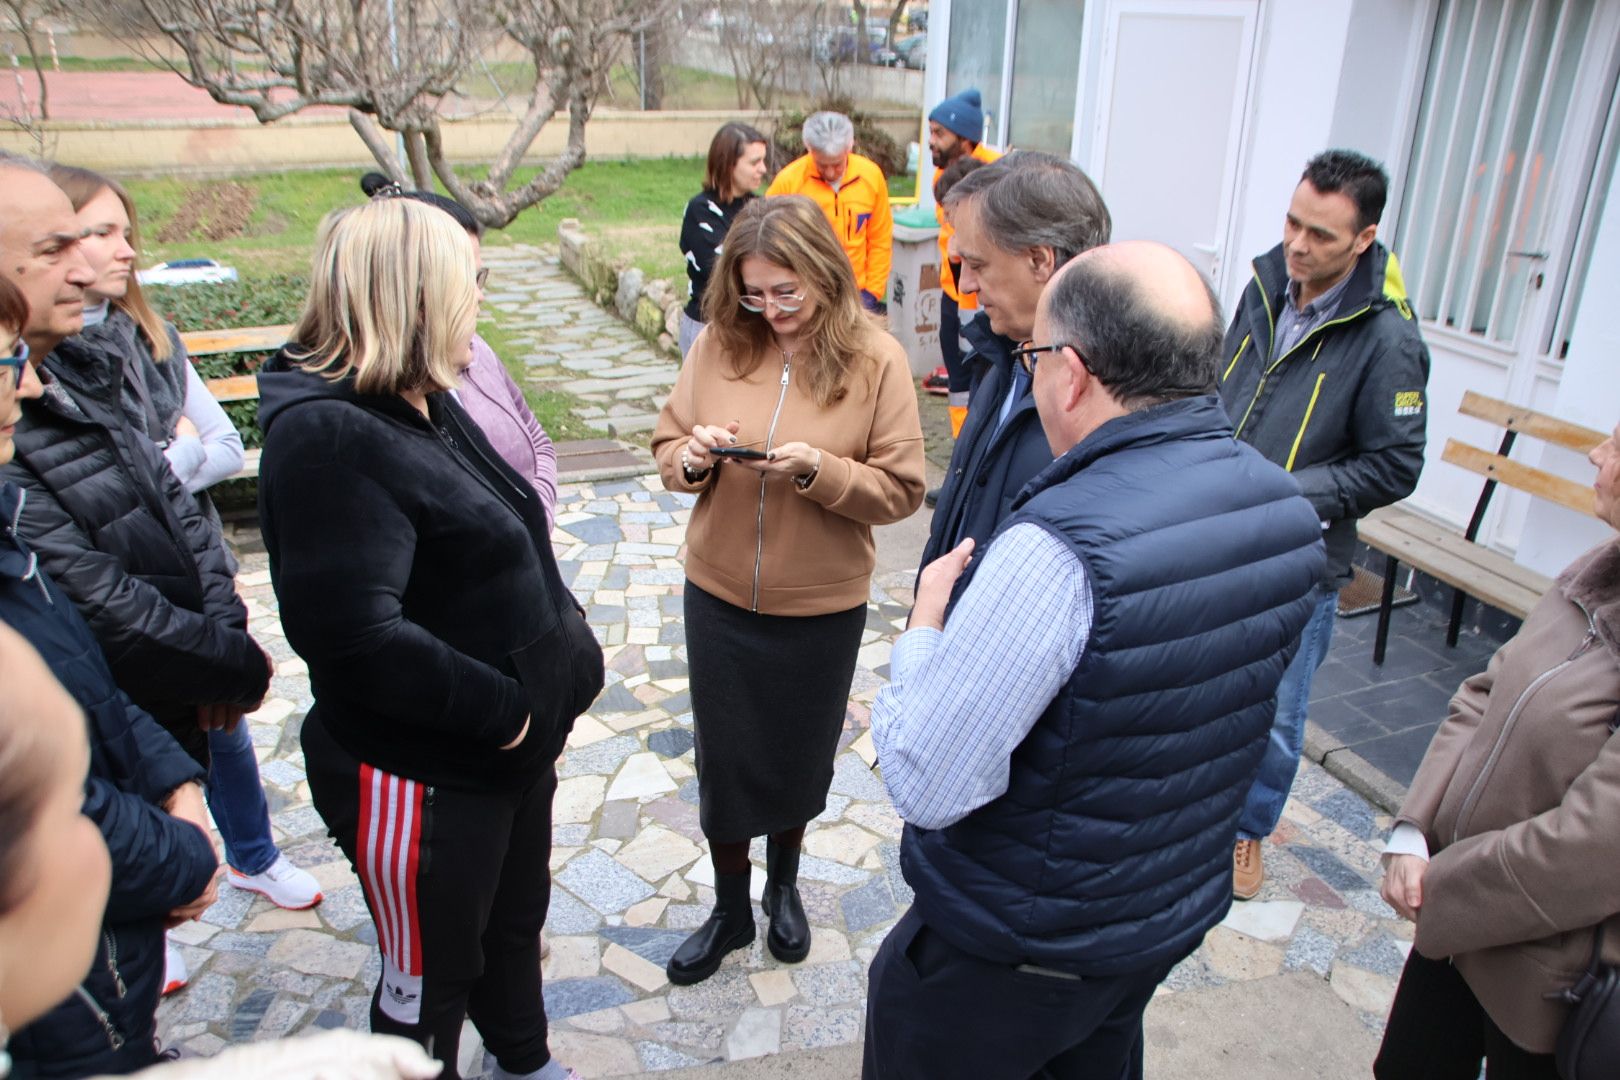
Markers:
{"x": 1111, "y": 850}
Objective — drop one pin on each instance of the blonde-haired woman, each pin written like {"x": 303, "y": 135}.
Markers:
{"x": 447, "y": 658}
{"x": 819, "y": 400}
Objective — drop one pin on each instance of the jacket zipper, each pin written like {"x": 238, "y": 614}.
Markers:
{"x": 112, "y": 963}
{"x": 115, "y": 1038}
{"x": 1271, "y": 323}
{"x": 770, "y": 435}
{"x": 1513, "y": 717}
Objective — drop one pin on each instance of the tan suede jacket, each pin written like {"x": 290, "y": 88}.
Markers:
{"x": 1519, "y": 797}
{"x": 766, "y": 544}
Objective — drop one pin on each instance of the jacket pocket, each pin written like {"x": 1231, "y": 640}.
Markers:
{"x": 562, "y": 672}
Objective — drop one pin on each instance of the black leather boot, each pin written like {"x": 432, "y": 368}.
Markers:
{"x": 730, "y": 926}
{"x": 789, "y": 937}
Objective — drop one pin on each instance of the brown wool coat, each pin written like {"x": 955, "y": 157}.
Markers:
{"x": 1519, "y": 797}
{"x": 812, "y": 547}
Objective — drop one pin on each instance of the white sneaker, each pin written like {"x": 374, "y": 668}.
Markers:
{"x": 286, "y": 885}
{"x": 175, "y": 975}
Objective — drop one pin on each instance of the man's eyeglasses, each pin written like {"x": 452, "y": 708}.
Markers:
{"x": 17, "y": 360}
{"x": 1026, "y": 356}
{"x": 786, "y": 304}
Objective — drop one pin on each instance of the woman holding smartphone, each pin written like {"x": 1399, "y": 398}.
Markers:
{"x": 794, "y": 420}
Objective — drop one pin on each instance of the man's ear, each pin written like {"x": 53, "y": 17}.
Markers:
{"x": 1364, "y": 238}
{"x": 1042, "y": 263}
{"x": 1076, "y": 380}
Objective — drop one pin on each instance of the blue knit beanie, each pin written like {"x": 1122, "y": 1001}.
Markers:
{"x": 962, "y": 115}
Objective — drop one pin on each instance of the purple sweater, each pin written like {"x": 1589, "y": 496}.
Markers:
{"x": 496, "y": 405}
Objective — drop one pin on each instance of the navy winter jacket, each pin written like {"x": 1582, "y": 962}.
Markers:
{"x": 1111, "y": 850}
{"x": 990, "y": 464}
{"x": 158, "y": 862}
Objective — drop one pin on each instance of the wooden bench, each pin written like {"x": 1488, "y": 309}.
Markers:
{"x": 236, "y": 387}
{"x": 1457, "y": 559}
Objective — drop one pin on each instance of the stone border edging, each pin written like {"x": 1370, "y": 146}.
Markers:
{"x": 1353, "y": 770}
{"x": 653, "y": 307}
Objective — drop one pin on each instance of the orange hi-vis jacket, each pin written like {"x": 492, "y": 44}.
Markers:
{"x": 858, "y": 210}
{"x": 947, "y": 278}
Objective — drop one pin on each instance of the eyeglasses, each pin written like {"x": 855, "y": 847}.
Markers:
{"x": 18, "y": 360}
{"x": 482, "y": 277}
{"x": 1026, "y": 356}
{"x": 756, "y": 303}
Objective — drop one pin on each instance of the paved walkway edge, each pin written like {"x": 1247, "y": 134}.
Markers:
{"x": 1354, "y": 771}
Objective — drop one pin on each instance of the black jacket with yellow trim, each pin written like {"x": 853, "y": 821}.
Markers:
{"x": 1344, "y": 410}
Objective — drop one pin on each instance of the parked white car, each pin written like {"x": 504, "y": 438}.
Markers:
{"x": 186, "y": 272}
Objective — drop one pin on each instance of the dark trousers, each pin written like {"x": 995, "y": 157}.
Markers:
{"x": 458, "y": 884}
{"x": 935, "y": 1012}
{"x": 950, "y": 346}
{"x": 1438, "y": 1031}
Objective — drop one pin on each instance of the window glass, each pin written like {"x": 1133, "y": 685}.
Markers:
{"x": 977, "y": 47}
{"x": 1046, "y": 75}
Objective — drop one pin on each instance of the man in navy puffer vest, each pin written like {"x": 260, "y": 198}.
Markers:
{"x": 1070, "y": 741}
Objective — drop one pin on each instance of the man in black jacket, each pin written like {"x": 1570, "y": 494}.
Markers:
{"x": 1017, "y": 221}
{"x": 108, "y": 519}
{"x": 1325, "y": 374}
{"x": 144, "y": 794}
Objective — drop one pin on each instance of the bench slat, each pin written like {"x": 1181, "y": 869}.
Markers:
{"x": 244, "y": 339}
{"x": 1435, "y": 550}
{"x": 1538, "y": 482}
{"x": 1529, "y": 422}
{"x": 234, "y": 388}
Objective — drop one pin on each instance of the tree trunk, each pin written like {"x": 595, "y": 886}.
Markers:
{"x": 381, "y": 147}
{"x": 25, "y": 29}
{"x": 421, "y": 171}
{"x": 649, "y": 50}
{"x": 894, "y": 20}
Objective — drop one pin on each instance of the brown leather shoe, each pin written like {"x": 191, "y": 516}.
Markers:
{"x": 1248, "y": 874}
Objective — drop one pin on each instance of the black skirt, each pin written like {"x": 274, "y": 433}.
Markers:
{"x": 769, "y": 693}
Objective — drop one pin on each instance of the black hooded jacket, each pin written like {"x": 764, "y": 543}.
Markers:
{"x": 125, "y": 541}
{"x": 415, "y": 576}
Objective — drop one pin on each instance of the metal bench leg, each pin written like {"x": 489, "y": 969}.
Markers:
{"x": 1458, "y": 598}
{"x": 1386, "y": 604}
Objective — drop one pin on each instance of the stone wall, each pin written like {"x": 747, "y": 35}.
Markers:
{"x": 652, "y": 307}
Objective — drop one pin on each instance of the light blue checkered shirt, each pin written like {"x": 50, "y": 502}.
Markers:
{"x": 960, "y": 700}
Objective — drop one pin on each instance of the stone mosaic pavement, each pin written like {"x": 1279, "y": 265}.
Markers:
{"x": 572, "y": 344}
{"x": 632, "y": 876}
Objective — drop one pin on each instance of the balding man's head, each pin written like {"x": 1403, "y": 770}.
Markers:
{"x": 39, "y": 253}
{"x": 1145, "y": 321}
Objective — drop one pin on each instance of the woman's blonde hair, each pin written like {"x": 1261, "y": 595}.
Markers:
{"x": 791, "y": 232}
{"x": 392, "y": 298}
{"x": 82, "y": 185}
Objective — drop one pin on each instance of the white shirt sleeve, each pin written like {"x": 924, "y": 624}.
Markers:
{"x": 216, "y": 451}
{"x": 1407, "y": 839}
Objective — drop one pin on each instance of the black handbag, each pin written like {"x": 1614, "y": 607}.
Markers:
{"x": 1589, "y": 1044}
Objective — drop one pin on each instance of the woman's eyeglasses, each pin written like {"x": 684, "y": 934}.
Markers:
{"x": 482, "y": 277}
{"x": 786, "y": 304}
{"x": 17, "y": 361}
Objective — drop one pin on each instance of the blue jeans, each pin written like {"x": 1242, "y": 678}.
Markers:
{"x": 1264, "y": 806}
{"x": 236, "y": 799}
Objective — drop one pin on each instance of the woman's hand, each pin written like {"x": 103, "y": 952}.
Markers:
{"x": 1402, "y": 888}
{"x": 704, "y": 437}
{"x": 789, "y": 460}
{"x": 513, "y": 745}
{"x": 185, "y": 428}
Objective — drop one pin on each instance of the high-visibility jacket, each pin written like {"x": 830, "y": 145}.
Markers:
{"x": 947, "y": 279}
{"x": 858, "y": 210}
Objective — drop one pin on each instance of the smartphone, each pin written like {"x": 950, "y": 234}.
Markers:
{"x": 747, "y": 452}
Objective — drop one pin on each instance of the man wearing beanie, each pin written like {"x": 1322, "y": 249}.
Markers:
{"x": 954, "y": 129}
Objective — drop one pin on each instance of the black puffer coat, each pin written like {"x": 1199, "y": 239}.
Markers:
{"x": 118, "y": 532}
{"x": 158, "y": 862}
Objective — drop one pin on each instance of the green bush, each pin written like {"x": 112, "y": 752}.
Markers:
{"x": 267, "y": 301}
